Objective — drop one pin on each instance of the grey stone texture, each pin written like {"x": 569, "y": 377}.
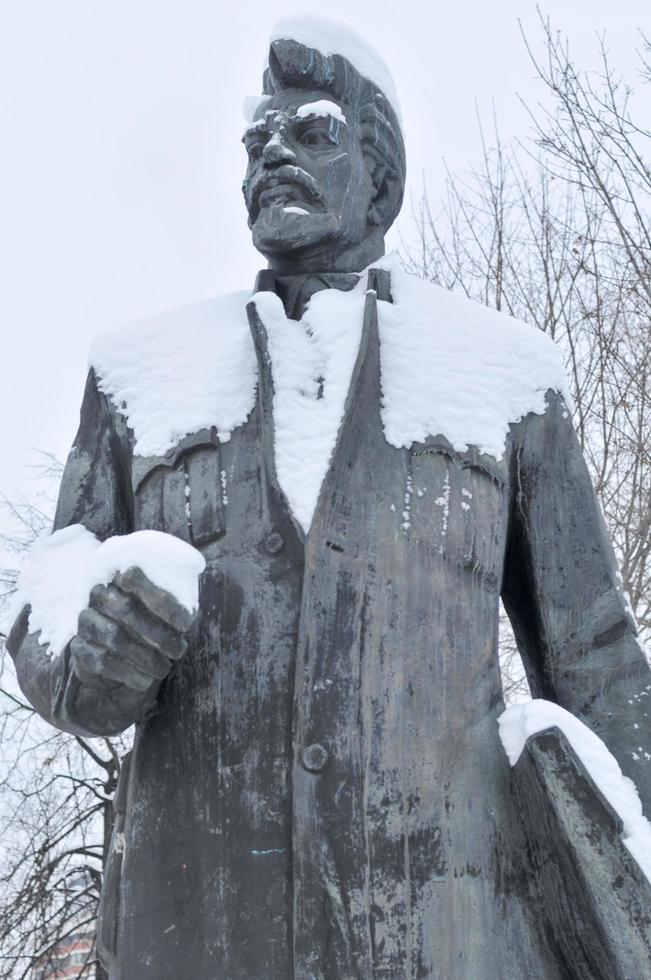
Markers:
{"x": 594, "y": 903}
{"x": 317, "y": 789}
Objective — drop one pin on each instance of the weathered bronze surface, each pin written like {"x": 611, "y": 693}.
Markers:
{"x": 317, "y": 788}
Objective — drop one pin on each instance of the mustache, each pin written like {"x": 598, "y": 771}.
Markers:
{"x": 286, "y": 174}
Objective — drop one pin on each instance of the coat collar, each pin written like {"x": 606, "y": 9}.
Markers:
{"x": 297, "y": 291}
{"x": 365, "y": 376}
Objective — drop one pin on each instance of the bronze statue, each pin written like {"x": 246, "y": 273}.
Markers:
{"x": 317, "y": 788}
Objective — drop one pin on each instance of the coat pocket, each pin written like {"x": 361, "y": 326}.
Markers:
{"x": 465, "y": 497}
{"x": 470, "y": 459}
{"x": 181, "y": 492}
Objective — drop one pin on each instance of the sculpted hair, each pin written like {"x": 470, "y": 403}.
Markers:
{"x": 294, "y": 65}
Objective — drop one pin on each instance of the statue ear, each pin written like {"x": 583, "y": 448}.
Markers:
{"x": 387, "y": 195}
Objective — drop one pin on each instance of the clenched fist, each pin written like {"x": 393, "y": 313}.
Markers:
{"x": 130, "y": 633}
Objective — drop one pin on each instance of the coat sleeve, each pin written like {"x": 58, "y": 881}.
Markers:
{"x": 563, "y": 594}
{"x": 95, "y": 491}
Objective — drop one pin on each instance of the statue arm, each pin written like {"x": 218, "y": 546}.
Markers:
{"x": 95, "y": 491}
{"x": 572, "y": 623}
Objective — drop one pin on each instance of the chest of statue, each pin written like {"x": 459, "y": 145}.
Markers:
{"x": 317, "y": 690}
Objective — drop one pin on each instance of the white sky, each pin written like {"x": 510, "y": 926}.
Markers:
{"x": 121, "y": 161}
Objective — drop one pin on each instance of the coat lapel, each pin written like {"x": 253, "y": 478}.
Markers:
{"x": 265, "y": 282}
{"x": 365, "y": 378}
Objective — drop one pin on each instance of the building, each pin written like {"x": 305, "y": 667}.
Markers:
{"x": 70, "y": 959}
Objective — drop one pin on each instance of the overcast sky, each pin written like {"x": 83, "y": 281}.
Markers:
{"x": 121, "y": 161}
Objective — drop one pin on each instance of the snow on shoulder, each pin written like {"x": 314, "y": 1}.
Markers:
{"x": 64, "y": 567}
{"x": 521, "y": 721}
{"x": 449, "y": 367}
{"x": 332, "y": 37}
{"x": 453, "y": 367}
{"x": 180, "y": 371}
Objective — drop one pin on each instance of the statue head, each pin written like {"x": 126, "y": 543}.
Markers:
{"x": 326, "y": 158}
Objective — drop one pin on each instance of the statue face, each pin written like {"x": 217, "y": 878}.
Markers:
{"x": 308, "y": 189}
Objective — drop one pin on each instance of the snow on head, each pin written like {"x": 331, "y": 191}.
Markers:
{"x": 332, "y": 37}
{"x": 456, "y": 368}
{"x": 180, "y": 371}
{"x": 63, "y": 568}
{"x": 252, "y": 104}
{"x": 521, "y": 721}
{"x": 321, "y": 108}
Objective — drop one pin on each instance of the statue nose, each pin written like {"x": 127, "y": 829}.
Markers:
{"x": 276, "y": 151}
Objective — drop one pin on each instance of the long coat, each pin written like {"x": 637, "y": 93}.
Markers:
{"x": 317, "y": 790}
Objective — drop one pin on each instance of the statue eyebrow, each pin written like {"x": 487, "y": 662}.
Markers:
{"x": 264, "y": 125}
{"x": 255, "y": 127}
{"x": 323, "y": 107}
{"x": 310, "y": 110}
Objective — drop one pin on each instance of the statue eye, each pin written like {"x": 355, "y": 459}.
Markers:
{"x": 317, "y": 137}
{"x": 255, "y": 145}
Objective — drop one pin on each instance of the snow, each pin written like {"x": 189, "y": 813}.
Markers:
{"x": 293, "y": 209}
{"x": 332, "y": 37}
{"x": 521, "y": 721}
{"x": 251, "y": 105}
{"x": 321, "y": 108}
{"x": 456, "y": 368}
{"x": 450, "y": 367}
{"x": 180, "y": 371}
{"x": 444, "y": 503}
{"x": 64, "y": 567}
{"x": 312, "y": 362}
{"x": 255, "y": 127}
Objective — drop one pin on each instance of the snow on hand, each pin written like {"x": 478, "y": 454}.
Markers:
{"x": 520, "y": 721}
{"x": 63, "y": 568}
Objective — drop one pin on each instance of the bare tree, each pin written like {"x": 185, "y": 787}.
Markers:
{"x": 56, "y": 795}
{"x": 557, "y": 233}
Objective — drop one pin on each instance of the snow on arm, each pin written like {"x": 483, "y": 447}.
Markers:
{"x": 521, "y": 721}
{"x": 321, "y": 108}
{"x": 63, "y": 568}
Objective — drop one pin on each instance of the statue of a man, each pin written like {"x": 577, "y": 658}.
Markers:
{"x": 317, "y": 788}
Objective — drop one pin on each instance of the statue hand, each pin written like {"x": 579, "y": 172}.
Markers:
{"x": 130, "y": 633}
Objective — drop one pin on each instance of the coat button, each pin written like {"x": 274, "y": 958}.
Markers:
{"x": 274, "y": 543}
{"x": 314, "y": 757}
